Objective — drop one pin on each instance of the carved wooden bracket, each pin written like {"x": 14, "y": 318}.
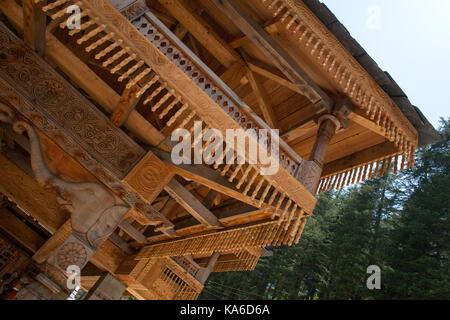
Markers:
{"x": 329, "y": 124}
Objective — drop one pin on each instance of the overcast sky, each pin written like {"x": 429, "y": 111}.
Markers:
{"x": 411, "y": 40}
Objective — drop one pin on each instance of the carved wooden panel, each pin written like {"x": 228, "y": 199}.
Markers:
{"x": 38, "y": 93}
{"x": 149, "y": 177}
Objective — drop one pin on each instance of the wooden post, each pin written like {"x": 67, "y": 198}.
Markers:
{"x": 209, "y": 267}
{"x": 35, "y": 22}
{"x": 106, "y": 288}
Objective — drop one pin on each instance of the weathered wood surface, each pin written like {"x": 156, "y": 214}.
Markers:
{"x": 149, "y": 177}
{"x": 29, "y": 195}
{"x": 340, "y": 62}
{"x": 84, "y": 77}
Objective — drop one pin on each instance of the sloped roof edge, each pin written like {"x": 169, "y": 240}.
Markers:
{"x": 427, "y": 133}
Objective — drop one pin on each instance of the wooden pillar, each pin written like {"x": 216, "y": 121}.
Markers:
{"x": 209, "y": 267}
{"x": 327, "y": 128}
{"x": 310, "y": 171}
{"x": 107, "y": 287}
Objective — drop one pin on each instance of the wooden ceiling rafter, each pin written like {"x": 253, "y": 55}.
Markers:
{"x": 330, "y": 55}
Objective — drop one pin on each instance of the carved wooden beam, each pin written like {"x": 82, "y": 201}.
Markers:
{"x": 272, "y": 74}
{"x": 35, "y": 24}
{"x": 328, "y": 124}
{"x": 18, "y": 230}
{"x": 149, "y": 177}
{"x": 132, "y": 232}
{"x": 84, "y": 77}
{"x": 209, "y": 267}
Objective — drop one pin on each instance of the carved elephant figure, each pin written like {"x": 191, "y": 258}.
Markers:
{"x": 95, "y": 212}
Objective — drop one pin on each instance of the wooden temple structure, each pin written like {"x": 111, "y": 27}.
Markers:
{"x": 87, "y": 113}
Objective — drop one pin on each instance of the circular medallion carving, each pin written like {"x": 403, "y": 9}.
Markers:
{"x": 50, "y": 92}
{"x": 72, "y": 253}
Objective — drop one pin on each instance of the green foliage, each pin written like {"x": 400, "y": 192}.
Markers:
{"x": 400, "y": 223}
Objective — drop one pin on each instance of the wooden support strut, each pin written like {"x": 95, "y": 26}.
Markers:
{"x": 191, "y": 204}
